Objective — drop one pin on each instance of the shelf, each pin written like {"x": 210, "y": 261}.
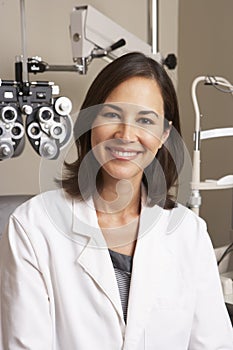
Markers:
{"x": 210, "y": 185}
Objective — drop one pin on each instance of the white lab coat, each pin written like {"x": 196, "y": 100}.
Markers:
{"x": 59, "y": 291}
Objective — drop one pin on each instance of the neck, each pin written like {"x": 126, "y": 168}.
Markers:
{"x": 119, "y": 197}
{"x": 118, "y": 206}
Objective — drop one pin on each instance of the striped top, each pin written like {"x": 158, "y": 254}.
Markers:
{"x": 123, "y": 268}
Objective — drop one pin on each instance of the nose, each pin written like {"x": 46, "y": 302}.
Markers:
{"x": 126, "y": 132}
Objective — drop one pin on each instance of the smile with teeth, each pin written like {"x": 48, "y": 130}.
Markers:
{"x": 123, "y": 154}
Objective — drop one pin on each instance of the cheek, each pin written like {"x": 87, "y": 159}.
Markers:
{"x": 152, "y": 142}
{"x": 96, "y": 136}
{"x": 100, "y": 134}
{"x": 99, "y": 137}
{"x": 95, "y": 141}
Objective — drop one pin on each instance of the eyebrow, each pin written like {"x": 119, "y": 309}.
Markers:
{"x": 113, "y": 106}
{"x": 149, "y": 112}
{"x": 144, "y": 112}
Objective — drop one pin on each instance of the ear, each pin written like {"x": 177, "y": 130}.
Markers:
{"x": 166, "y": 134}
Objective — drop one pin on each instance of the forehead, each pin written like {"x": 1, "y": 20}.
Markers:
{"x": 138, "y": 91}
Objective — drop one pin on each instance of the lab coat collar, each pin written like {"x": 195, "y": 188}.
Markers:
{"x": 97, "y": 263}
{"x": 85, "y": 221}
{"x": 157, "y": 281}
{"x": 152, "y": 266}
{"x": 95, "y": 258}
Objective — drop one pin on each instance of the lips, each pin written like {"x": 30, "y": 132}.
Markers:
{"x": 123, "y": 154}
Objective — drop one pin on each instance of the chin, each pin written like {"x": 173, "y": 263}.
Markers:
{"x": 123, "y": 174}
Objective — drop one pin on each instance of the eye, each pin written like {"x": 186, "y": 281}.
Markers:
{"x": 111, "y": 115}
{"x": 146, "y": 121}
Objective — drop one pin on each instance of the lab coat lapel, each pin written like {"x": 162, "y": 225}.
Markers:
{"x": 98, "y": 265}
{"x": 95, "y": 258}
{"x": 152, "y": 266}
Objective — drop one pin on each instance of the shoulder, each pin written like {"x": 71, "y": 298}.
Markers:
{"x": 182, "y": 217}
{"x": 187, "y": 238}
{"x": 41, "y": 208}
{"x": 36, "y": 202}
{"x": 186, "y": 228}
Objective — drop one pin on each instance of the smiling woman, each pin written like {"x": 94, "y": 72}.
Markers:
{"x": 114, "y": 262}
{"x": 126, "y": 137}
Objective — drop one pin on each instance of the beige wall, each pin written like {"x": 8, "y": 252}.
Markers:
{"x": 205, "y": 48}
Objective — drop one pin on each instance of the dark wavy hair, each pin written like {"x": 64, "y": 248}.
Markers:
{"x": 160, "y": 177}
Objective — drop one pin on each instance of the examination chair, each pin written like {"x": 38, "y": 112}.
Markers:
{"x": 8, "y": 204}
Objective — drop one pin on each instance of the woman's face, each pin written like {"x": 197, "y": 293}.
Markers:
{"x": 129, "y": 129}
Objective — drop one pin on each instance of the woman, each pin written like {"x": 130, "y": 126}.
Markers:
{"x": 112, "y": 261}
